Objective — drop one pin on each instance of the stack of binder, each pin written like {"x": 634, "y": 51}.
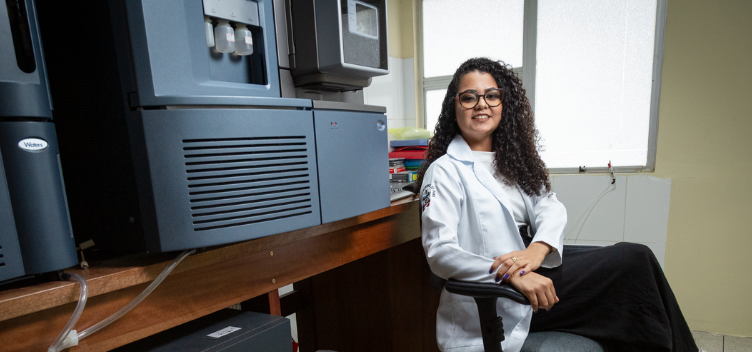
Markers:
{"x": 412, "y": 150}
{"x": 396, "y": 165}
{"x": 410, "y": 154}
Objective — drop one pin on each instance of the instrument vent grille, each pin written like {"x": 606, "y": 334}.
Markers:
{"x": 242, "y": 181}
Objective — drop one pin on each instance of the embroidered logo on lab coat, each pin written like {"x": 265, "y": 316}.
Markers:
{"x": 425, "y": 197}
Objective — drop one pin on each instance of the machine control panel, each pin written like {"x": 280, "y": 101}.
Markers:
{"x": 243, "y": 11}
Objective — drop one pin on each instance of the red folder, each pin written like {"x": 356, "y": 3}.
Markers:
{"x": 416, "y": 152}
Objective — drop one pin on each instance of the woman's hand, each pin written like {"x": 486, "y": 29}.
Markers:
{"x": 523, "y": 261}
{"x": 537, "y": 288}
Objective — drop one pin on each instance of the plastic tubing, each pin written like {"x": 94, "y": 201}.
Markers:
{"x": 96, "y": 327}
{"x": 590, "y": 208}
{"x": 55, "y": 347}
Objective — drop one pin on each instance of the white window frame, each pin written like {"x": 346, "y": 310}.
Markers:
{"x": 527, "y": 72}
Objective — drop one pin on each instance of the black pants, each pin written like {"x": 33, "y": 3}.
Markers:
{"x": 618, "y": 296}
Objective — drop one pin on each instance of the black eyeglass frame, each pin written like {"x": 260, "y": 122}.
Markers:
{"x": 478, "y": 96}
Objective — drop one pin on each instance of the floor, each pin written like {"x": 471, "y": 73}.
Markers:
{"x": 722, "y": 343}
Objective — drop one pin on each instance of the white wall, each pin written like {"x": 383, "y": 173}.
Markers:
{"x": 634, "y": 209}
{"x": 395, "y": 91}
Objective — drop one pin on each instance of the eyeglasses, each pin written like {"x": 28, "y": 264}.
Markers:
{"x": 470, "y": 99}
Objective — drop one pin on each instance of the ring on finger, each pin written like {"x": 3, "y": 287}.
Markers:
{"x": 514, "y": 259}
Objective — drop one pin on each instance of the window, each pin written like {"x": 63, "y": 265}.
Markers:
{"x": 448, "y": 41}
{"x": 591, "y": 69}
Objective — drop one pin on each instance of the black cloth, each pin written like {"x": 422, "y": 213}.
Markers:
{"x": 526, "y": 236}
{"x": 616, "y": 295}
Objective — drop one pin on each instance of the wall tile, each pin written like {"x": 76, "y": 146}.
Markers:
{"x": 647, "y": 209}
{"x": 606, "y": 220}
{"x": 408, "y": 80}
{"x": 388, "y": 90}
{"x": 390, "y": 123}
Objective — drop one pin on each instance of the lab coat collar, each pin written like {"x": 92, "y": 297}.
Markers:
{"x": 460, "y": 150}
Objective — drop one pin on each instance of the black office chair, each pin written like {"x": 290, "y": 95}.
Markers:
{"x": 491, "y": 326}
{"x": 486, "y": 295}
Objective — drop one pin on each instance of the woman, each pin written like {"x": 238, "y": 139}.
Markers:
{"x": 483, "y": 182}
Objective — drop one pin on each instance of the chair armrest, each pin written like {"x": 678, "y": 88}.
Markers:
{"x": 504, "y": 290}
{"x": 477, "y": 290}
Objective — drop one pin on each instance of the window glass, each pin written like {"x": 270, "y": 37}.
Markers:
{"x": 454, "y": 31}
{"x": 594, "y": 81}
{"x": 434, "y": 98}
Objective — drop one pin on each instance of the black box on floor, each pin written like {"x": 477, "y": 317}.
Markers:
{"x": 227, "y": 330}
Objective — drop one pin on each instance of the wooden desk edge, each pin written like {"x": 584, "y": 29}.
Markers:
{"x": 23, "y": 301}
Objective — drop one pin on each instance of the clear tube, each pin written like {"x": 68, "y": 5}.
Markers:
{"x": 590, "y": 208}
{"x": 82, "y": 297}
{"x": 96, "y": 327}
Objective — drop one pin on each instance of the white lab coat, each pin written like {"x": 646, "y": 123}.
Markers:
{"x": 467, "y": 222}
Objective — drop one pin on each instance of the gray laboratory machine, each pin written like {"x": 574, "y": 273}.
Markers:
{"x": 173, "y": 130}
{"x": 35, "y": 231}
{"x": 226, "y": 330}
{"x": 337, "y": 45}
{"x": 328, "y": 51}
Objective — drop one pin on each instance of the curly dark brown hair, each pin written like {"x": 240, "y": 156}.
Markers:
{"x": 515, "y": 142}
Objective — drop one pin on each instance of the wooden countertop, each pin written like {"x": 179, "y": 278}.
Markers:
{"x": 31, "y": 317}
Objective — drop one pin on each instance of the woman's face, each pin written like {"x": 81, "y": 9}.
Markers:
{"x": 477, "y": 124}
